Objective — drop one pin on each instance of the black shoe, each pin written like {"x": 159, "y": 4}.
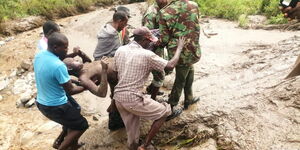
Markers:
{"x": 175, "y": 113}
{"x": 193, "y": 101}
{"x": 160, "y": 93}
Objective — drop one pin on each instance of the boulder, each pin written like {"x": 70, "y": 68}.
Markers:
{"x": 4, "y": 82}
{"x": 26, "y": 64}
{"x": 26, "y": 137}
{"x": 19, "y": 104}
{"x": 30, "y": 103}
{"x": 257, "y": 19}
{"x": 21, "y": 25}
{"x": 25, "y": 97}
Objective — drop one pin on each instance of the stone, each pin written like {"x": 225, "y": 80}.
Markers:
{"x": 2, "y": 43}
{"x": 9, "y": 39}
{"x": 95, "y": 118}
{"x": 19, "y": 104}
{"x": 1, "y": 98}
{"x": 21, "y": 86}
{"x": 20, "y": 71}
{"x": 30, "y": 103}
{"x": 25, "y": 24}
{"x": 26, "y": 137}
{"x": 50, "y": 125}
{"x": 169, "y": 81}
{"x": 26, "y": 64}
{"x": 25, "y": 97}
{"x": 13, "y": 74}
{"x": 257, "y": 19}
{"x": 4, "y": 83}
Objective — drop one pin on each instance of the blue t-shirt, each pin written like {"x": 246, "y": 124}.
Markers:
{"x": 50, "y": 72}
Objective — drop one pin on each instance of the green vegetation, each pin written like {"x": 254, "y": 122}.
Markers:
{"x": 228, "y": 9}
{"x": 12, "y": 9}
{"x": 243, "y": 20}
{"x": 239, "y": 9}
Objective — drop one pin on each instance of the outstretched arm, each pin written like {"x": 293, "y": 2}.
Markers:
{"x": 173, "y": 62}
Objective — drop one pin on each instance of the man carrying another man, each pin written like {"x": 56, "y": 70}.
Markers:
{"x": 133, "y": 64}
{"x": 53, "y": 84}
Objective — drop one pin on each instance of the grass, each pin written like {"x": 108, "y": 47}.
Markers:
{"x": 13, "y": 9}
{"x": 240, "y": 9}
{"x": 228, "y": 9}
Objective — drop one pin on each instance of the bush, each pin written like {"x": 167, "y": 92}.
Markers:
{"x": 243, "y": 21}
{"x": 12, "y": 9}
{"x": 233, "y": 9}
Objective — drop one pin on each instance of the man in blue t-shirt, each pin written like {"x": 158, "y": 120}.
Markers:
{"x": 53, "y": 85}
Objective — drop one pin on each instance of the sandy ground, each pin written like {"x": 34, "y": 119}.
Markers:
{"x": 222, "y": 76}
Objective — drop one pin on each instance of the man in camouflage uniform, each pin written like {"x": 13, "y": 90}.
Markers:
{"x": 151, "y": 21}
{"x": 181, "y": 18}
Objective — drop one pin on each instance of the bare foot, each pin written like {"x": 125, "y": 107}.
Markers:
{"x": 142, "y": 147}
{"x": 76, "y": 146}
{"x": 149, "y": 147}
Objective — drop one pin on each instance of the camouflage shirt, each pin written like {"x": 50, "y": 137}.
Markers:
{"x": 151, "y": 21}
{"x": 181, "y": 18}
{"x": 150, "y": 18}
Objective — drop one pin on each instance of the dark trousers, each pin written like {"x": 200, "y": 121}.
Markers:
{"x": 183, "y": 81}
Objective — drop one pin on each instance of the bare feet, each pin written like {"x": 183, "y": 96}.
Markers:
{"x": 76, "y": 146}
{"x": 149, "y": 147}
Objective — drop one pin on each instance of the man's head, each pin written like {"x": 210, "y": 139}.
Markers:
{"x": 73, "y": 64}
{"x": 162, "y": 3}
{"x": 123, "y": 9}
{"x": 120, "y": 19}
{"x": 143, "y": 36}
{"x": 49, "y": 27}
{"x": 58, "y": 44}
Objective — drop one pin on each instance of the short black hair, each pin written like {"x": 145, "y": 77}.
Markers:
{"x": 124, "y": 9}
{"x": 50, "y": 26}
{"x": 57, "y": 39}
{"x": 120, "y": 15}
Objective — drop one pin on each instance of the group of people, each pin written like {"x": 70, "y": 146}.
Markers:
{"x": 168, "y": 25}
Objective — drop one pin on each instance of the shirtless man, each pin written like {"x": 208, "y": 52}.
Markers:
{"x": 90, "y": 74}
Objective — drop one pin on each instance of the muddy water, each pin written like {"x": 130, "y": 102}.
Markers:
{"x": 238, "y": 80}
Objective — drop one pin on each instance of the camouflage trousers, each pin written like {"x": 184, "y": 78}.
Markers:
{"x": 183, "y": 81}
{"x": 159, "y": 77}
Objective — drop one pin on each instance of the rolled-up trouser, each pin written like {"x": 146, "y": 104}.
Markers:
{"x": 144, "y": 108}
{"x": 183, "y": 80}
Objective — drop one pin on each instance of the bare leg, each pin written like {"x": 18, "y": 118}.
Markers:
{"x": 60, "y": 139}
{"x": 71, "y": 138}
{"x": 154, "y": 129}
